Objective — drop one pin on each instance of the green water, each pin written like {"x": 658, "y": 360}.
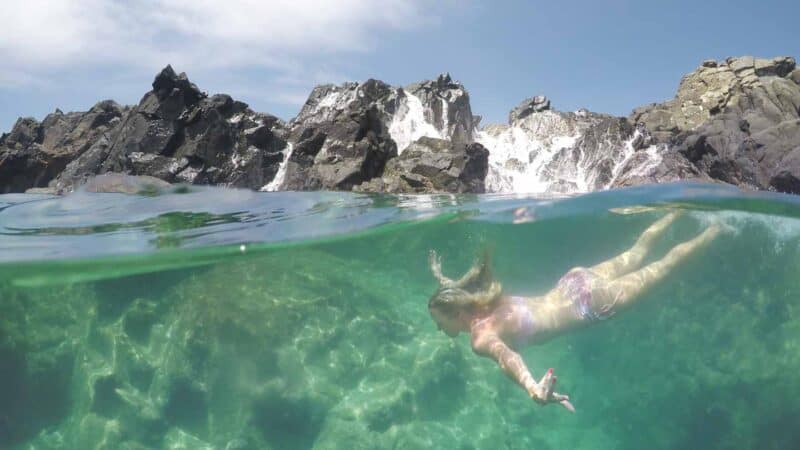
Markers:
{"x": 228, "y": 320}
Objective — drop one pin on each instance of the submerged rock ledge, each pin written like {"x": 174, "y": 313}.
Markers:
{"x": 735, "y": 121}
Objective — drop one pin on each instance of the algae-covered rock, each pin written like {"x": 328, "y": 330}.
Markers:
{"x": 41, "y": 335}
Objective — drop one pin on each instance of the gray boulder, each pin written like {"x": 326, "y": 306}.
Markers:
{"x": 528, "y": 106}
{"x": 671, "y": 167}
{"x": 340, "y": 138}
{"x": 434, "y": 165}
{"x": 746, "y": 86}
{"x": 447, "y": 107}
{"x": 723, "y": 149}
{"x": 736, "y": 120}
{"x": 34, "y": 153}
{"x": 125, "y": 184}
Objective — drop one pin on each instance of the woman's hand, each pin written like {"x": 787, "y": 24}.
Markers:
{"x": 489, "y": 344}
{"x": 543, "y": 393}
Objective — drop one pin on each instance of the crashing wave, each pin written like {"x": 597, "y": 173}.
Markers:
{"x": 280, "y": 175}
{"x": 563, "y": 153}
{"x": 409, "y": 122}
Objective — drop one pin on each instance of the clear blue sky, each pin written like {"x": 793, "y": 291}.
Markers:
{"x": 606, "y": 56}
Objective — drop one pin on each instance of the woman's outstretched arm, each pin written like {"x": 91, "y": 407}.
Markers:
{"x": 491, "y": 346}
{"x": 479, "y": 272}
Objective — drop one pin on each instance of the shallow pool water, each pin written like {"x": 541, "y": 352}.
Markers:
{"x": 221, "y": 319}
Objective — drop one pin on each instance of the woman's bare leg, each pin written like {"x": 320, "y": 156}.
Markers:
{"x": 629, "y": 288}
{"x": 630, "y": 260}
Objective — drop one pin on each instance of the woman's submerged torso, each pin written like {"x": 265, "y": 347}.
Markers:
{"x": 521, "y": 321}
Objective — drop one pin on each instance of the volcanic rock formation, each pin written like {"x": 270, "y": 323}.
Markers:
{"x": 736, "y": 121}
{"x": 340, "y": 138}
{"x": 33, "y": 153}
{"x": 180, "y": 134}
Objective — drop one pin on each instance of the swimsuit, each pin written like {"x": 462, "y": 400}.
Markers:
{"x": 576, "y": 285}
{"x": 526, "y": 325}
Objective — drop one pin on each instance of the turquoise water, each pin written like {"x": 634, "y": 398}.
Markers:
{"x": 219, "y": 319}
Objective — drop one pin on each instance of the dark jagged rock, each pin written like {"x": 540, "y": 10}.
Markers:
{"x": 340, "y": 138}
{"x": 34, "y": 153}
{"x": 599, "y": 142}
{"x": 179, "y": 134}
{"x": 25, "y": 132}
{"x": 157, "y": 124}
{"x": 723, "y": 149}
{"x": 434, "y": 165}
{"x": 344, "y": 134}
{"x": 643, "y": 138}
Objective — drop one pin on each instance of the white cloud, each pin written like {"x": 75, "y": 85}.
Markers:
{"x": 269, "y": 53}
{"x": 11, "y": 78}
{"x": 42, "y": 35}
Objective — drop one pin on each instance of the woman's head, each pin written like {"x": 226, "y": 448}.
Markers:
{"x": 448, "y": 310}
{"x": 453, "y": 307}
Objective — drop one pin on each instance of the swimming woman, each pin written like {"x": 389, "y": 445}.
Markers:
{"x": 500, "y": 324}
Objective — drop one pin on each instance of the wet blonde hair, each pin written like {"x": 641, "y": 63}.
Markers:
{"x": 476, "y": 289}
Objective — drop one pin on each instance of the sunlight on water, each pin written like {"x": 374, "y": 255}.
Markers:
{"x": 236, "y": 320}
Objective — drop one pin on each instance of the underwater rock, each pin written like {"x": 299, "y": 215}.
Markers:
{"x": 204, "y": 361}
{"x": 39, "y": 343}
{"x": 331, "y": 345}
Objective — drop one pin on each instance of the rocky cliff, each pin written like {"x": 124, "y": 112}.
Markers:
{"x": 736, "y": 121}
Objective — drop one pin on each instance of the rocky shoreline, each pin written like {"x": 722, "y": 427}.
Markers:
{"x": 735, "y": 121}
